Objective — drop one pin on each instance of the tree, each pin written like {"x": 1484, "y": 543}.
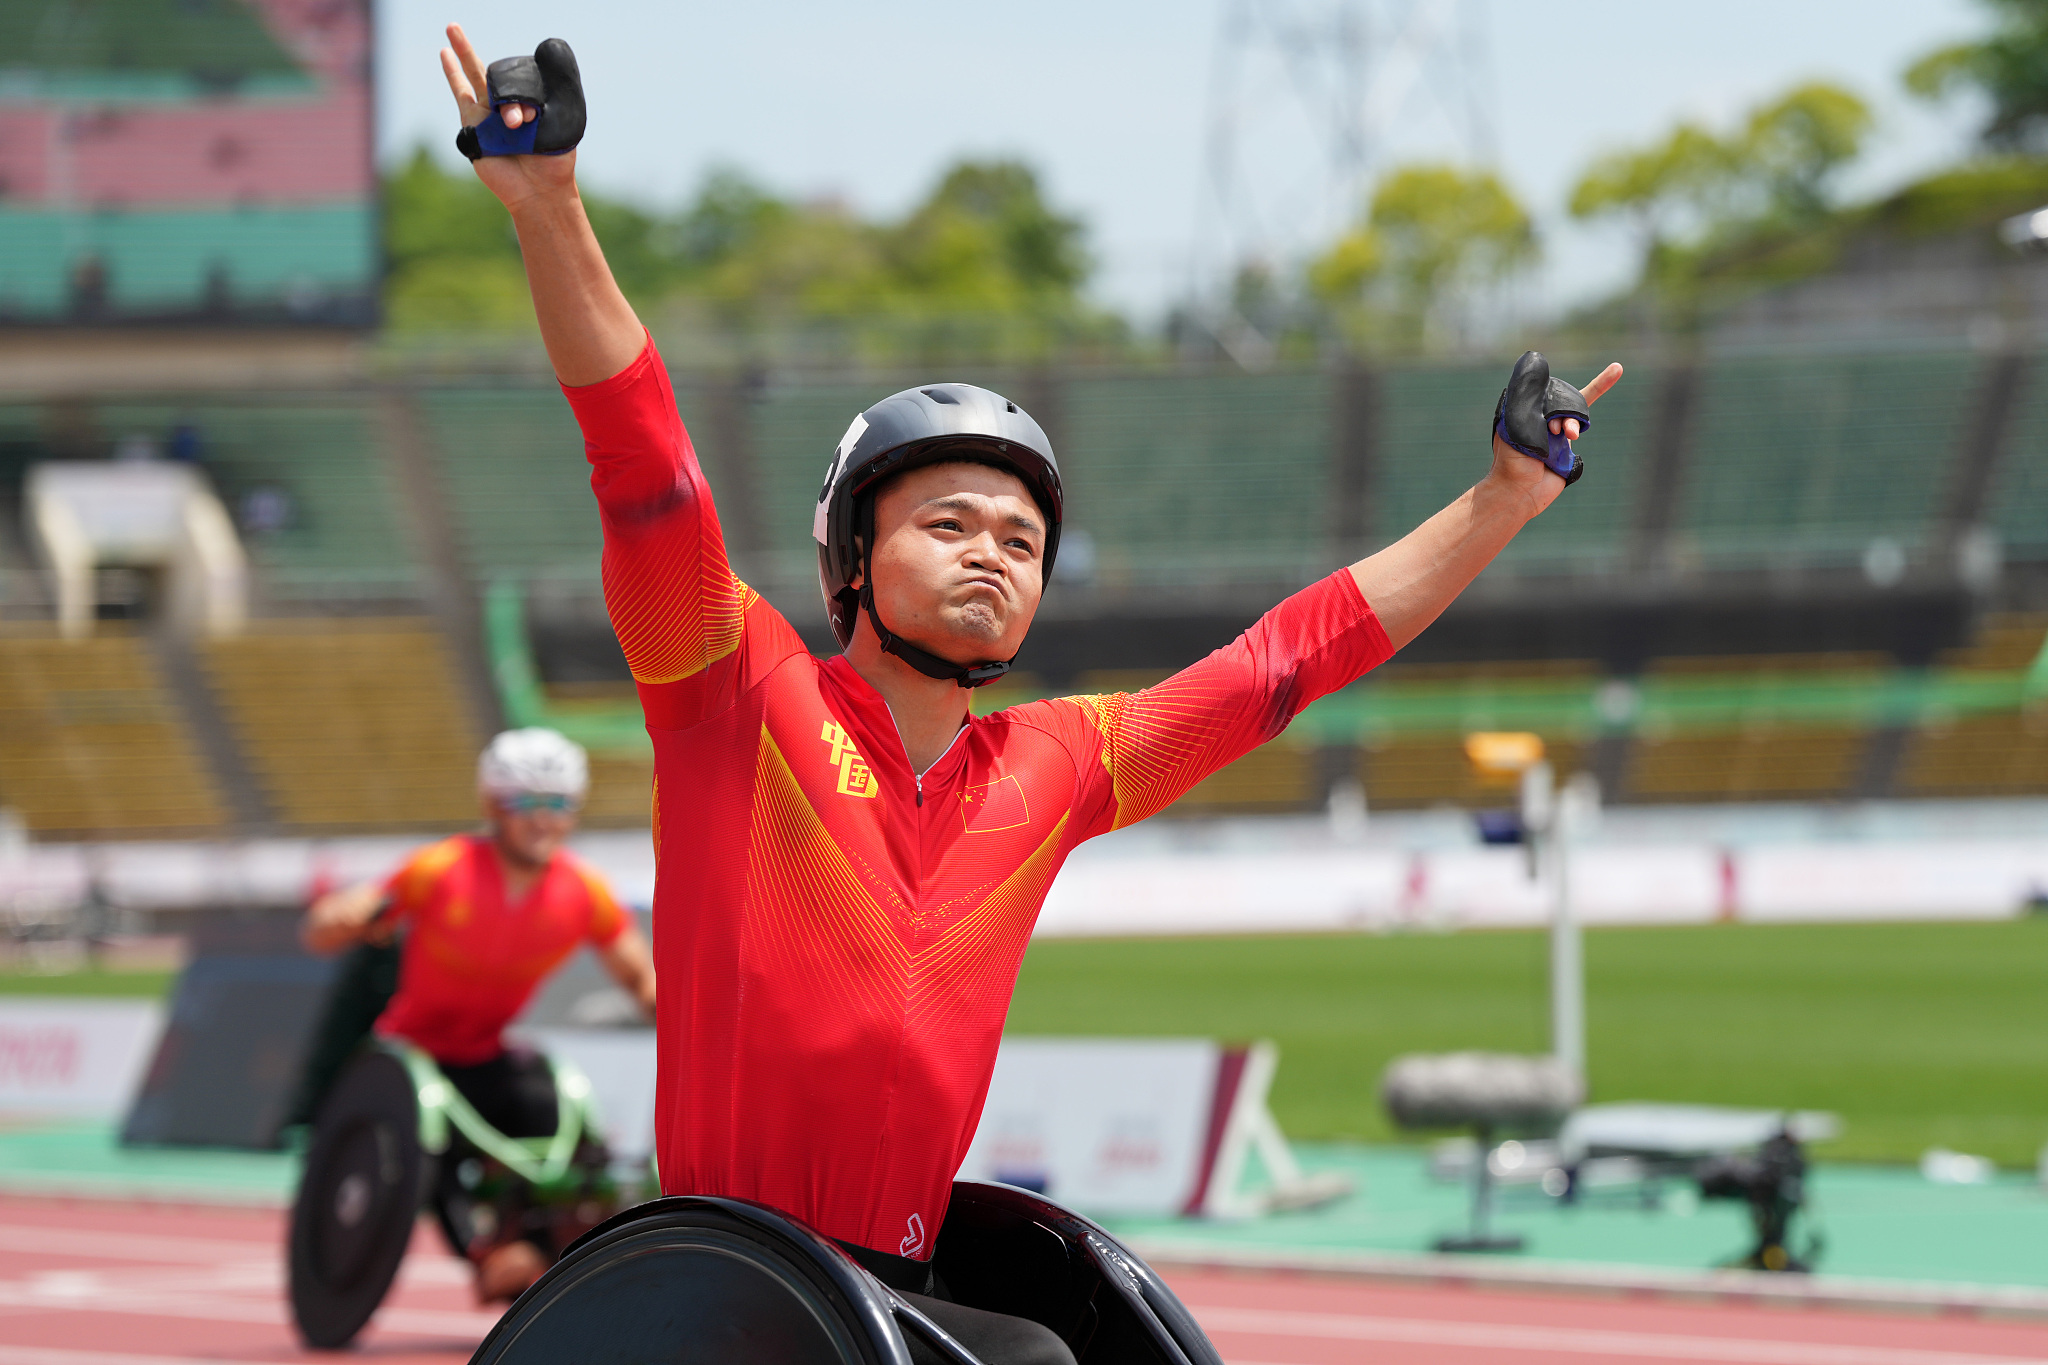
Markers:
{"x": 1434, "y": 236}
{"x": 983, "y": 264}
{"x": 1693, "y": 187}
{"x": 451, "y": 260}
{"x": 1791, "y": 148}
{"x": 2010, "y": 67}
{"x": 1664, "y": 189}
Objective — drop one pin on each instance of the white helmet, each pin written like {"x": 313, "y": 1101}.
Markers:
{"x": 533, "y": 760}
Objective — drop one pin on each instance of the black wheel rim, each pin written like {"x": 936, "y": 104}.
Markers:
{"x": 357, "y": 1200}
{"x": 690, "y": 1281}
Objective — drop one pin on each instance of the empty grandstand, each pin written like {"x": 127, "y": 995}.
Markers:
{"x": 1817, "y": 578}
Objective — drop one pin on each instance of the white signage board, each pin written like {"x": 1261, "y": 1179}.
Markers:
{"x": 1105, "y": 1125}
{"x": 74, "y": 1058}
{"x": 620, "y": 1065}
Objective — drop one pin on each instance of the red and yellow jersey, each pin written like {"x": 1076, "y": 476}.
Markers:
{"x": 471, "y": 959}
{"x": 837, "y": 940}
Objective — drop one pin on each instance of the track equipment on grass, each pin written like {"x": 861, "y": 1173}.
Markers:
{"x": 935, "y": 424}
{"x": 1522, "y": 417}
{"x": 1494, "y": 1094}
{"x": 1772, "y": 1181}
{"x": 393, "y": 1133}
{"x": 698, "y": 1279}
{"x": 549, "y": 84}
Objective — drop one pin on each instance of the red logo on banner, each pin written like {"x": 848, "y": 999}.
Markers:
{"x": 38, "y": 1056}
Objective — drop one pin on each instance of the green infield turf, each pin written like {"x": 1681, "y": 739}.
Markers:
{"x": 1918, "y": 1035}
{"x": 86, "y": 981}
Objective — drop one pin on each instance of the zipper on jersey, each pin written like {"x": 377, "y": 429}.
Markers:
{"x": 919, "y": 779}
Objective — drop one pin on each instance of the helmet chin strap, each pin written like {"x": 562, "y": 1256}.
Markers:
{"x": 923, "y": 660}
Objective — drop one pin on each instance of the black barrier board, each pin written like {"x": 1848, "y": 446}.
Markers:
{"x": 232, "y": 1050}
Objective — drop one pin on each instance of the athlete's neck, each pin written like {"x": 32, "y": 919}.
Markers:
{"x": 516, "y": 870}
{"x": 928, "y": 711}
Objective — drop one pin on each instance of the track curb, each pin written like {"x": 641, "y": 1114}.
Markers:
{"x": 1713, "y": 1286}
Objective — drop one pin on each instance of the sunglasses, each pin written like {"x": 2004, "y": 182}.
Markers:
{"x": 524, "y": 803}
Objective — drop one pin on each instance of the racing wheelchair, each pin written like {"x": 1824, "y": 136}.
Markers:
{"x": 393, "y": 1133}
{"x": 693, "y": 1279}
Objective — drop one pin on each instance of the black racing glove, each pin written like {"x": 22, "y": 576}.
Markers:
{"x": 1522, "y": 418}
{"x": 548, "y": 82}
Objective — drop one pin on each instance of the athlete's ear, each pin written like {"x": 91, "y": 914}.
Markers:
{"x": 860, "y": 559}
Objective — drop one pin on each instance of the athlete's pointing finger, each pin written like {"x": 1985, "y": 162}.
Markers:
{"x": 1602, "y": 382}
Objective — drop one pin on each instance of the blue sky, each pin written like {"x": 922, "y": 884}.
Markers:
{"x": 1111, "y": 100}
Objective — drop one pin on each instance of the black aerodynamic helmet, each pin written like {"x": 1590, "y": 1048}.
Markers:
{"x": 934, "y": 424}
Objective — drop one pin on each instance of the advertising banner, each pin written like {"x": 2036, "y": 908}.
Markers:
{"x": 74, "y": 1058}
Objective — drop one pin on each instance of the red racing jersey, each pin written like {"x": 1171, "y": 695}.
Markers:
{"x": 471, "y": 959}
{"x": 838, "y": 938}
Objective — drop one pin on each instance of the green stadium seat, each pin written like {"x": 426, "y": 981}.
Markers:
{"x": 795, "y": 429}
{"x": 1193, "y": 481}
{"x": 518, "y": 487}
{"x": 1808, "y": 460}
{"x": 1432, "y": 447}
{"x": 2018, "y": 503}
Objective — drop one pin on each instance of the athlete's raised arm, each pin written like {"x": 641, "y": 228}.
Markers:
{"x": 673, "y": 599}
{"x": 1156, "y": 744}
{"x": 1411, "y": 581}
{"x": 588, "y": 327}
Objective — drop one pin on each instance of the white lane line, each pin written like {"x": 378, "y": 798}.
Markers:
{"x": 1577, "y": 1340}
{"x": 66, "y": 1296}
{"x": 123, "y": 1246}
{"x": 53, "y": 1355}
{"x": 120, "y": 1246}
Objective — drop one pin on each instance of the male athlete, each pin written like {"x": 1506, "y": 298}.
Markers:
{"x": 487, "y": 918}
{"x": 851, "y": 862}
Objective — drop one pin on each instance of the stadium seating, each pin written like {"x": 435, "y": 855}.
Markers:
{"x": 1999, "y": 754}
{"x": 518, "y": 489}
{"x": 1808, "y": 460}
{"x": 1407, "y": 773}
{"x": 2018, "y": 504}
{"x": 351, "y": 724}
{"x": 1726, "y": 728}
{"x": 91, "y": 741}
{"x": 795, "y": 429}
{"x": 1768, "y": 762}
{"x": 1433, "y": 443}
{"x": 1192, "y": 481}
{"x": 1195, "y": 482}
{"x": 340, "y": 534}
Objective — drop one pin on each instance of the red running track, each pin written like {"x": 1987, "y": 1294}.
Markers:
{"x": 89, "y": 1283}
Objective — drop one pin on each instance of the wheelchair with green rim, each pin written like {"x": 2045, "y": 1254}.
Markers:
{"x": 393, "y": 1134}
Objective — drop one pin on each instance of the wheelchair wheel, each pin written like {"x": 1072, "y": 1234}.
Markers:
{"x": 357, "y": 1200}
{"x": 699, "y": 1281}
{"x": 1011, "y": 1251}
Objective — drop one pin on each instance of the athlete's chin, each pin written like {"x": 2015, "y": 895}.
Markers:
{"x": 976, "y": 634}
{"x": 979, "y": 622}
